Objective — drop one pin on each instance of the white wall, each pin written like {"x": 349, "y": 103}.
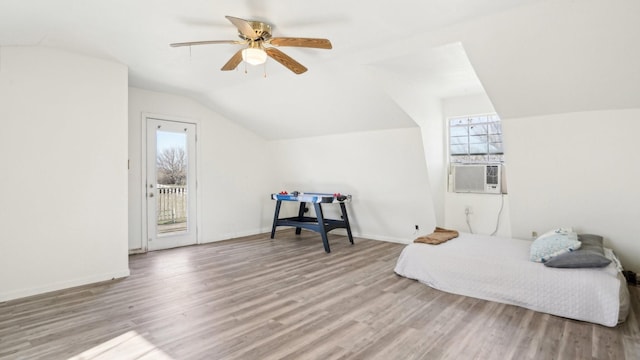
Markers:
{"x": 569, "y": 58}
{"x": 555, "y": 57}
{"x": 580, "y": 170}
{"x": 432, "y": 128}
{"x": 64, "y": 170}
{"x": 486, "y": 215}
{"x": 385, "y": 171}
{"x": 235, "y": 171}
{"x": 418, "y": 94}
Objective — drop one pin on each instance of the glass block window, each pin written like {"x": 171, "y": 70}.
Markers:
{"x": 475, "y": 139}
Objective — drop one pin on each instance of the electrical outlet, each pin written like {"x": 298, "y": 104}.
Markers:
{"x": 417, "y": 227}
{"x": 468, "y": 210}
{"x": 534, "y": 234}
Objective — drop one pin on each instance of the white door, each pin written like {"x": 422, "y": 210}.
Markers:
{"x": 171, "y": 184}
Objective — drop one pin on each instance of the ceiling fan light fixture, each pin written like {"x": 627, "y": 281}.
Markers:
{"x": 255, "y": 35}
{"x": 254, "y": 56}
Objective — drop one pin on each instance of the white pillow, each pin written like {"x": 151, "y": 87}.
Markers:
{"x": 553, "y": 243}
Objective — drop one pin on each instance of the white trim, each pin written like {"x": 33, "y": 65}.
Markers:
{"x": 143, "y": 172}
{"x": 61, "y": 285}
{"x": 342, "y": 232}
{"x": 237, "y": 235}
{"x": 143, "y": 185}
{"x": 383, "y": 238}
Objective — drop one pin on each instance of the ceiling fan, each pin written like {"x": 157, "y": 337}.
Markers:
{"x": 257, "y": 35}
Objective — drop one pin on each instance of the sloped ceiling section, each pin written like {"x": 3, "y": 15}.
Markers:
{"x": 328, "y": 100}
{"x": 532, "y": 56}
{"x": 435, "y": 73}
{"x": 341, "y": 92}
{"x": 558, "y": 56}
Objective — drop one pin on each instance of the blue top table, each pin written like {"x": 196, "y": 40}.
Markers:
{"x": 319, "y": 223}
{"x": 312, "y": 197}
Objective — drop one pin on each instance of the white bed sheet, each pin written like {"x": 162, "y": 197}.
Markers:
{"x": 498, "y": 269}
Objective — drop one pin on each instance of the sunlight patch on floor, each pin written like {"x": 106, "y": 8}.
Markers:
{"x": 127, "y": 346}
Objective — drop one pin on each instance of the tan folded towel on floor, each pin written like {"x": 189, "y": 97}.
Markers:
{"x": 438, "y": 236}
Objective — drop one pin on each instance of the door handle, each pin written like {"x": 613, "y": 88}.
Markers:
{"x": 150, "y": 194}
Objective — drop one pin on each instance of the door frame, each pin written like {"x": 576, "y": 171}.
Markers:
{"x": 145, "y": 116}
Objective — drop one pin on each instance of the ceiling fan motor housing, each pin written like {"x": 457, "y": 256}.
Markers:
{"x": 262, "y": 30}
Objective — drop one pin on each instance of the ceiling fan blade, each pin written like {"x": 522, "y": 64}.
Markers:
{"x": 301, "y": 42}
{"x": 233, "y": 62}
{"x": 190, "y": 43}
{"x": 286, "y": 60}
{"x": 243, "y": 25}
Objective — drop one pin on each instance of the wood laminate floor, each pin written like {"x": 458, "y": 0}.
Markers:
{"x": 257, "y": 298}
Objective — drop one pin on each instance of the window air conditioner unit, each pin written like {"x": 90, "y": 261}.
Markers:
{"x": 477, "y": 178}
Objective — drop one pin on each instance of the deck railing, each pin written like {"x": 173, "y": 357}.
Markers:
{"x": 172, "y": 204}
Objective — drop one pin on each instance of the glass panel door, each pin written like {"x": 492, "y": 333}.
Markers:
{"x": 170, "y": 184}
{"x": 171, "y": 170}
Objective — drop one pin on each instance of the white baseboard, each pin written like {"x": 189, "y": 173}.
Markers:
{"x": 383, "y": 238}
{"x": 343, "y": 232}
{"x": 21, "y": 293}
{"x": 235, "y": 235}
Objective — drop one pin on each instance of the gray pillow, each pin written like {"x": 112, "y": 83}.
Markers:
{"x": 589, "y": 255}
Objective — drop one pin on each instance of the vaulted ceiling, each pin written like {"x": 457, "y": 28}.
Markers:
{"x": 530, "y": 57}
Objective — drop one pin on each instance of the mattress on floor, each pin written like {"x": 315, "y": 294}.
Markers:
{"x": 498, "y": 269}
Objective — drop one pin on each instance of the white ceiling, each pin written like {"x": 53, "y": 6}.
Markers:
{"x": 386, "y": 54}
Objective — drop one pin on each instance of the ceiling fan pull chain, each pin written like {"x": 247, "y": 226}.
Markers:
{"x": 265, "y": 69}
